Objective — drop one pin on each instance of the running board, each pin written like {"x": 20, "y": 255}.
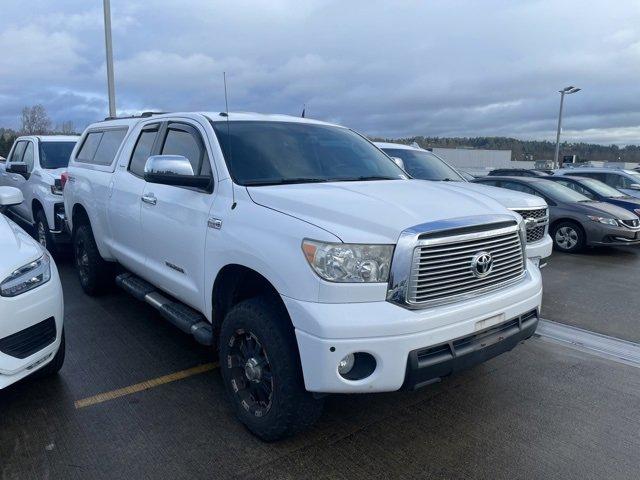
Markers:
{"x": 181, "y": 316}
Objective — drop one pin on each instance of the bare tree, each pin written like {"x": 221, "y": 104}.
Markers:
{"x": 66, "y": 128}
{"x": 35, "y": 120}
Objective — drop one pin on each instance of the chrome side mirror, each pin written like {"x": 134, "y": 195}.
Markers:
{"x": 174, "y": 170}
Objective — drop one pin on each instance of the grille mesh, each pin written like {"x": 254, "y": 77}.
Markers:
{"x": 540, "y": 215}
{"x": 30, "y": 340}
{"x": 442, "y": 271}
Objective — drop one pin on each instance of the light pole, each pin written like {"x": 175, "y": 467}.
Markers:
{"x": 563, "y": 92}
{"x": 109, "y": 49}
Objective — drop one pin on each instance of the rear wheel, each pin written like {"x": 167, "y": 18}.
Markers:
{"x": 43, "y": 234}
{"x": 93, "y": 271}
{"x": 262, "y": 373}
{"x": 568, "y": 237}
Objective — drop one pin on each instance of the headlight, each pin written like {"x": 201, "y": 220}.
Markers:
{"x": 344, "y": 262}
{"x": 27, "y": 278}
{"x": 605, "y": 220}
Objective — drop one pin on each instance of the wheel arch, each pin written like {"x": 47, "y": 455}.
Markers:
{"x": 235, "y": 283}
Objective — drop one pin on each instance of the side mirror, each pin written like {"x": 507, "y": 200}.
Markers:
{"x": 635, "y": 186}
{"x": 10, "y": 196}
{"x": 20, "y": 168}
{"x": 398, "y": 161}
{"x": 173, "y": 170}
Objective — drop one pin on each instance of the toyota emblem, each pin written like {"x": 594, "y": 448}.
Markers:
{"x": 481, "y": 264}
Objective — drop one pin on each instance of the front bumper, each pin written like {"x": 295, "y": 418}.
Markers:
{"x": 60, "y": 230}
{"x": 328, "y": 332}
{"x": 24, "y": 311}
{"x": 599, "y": 234}
{"x": 541, "y": 249}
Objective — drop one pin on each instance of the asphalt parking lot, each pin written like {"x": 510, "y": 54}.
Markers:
{"x": 540, "y": 411}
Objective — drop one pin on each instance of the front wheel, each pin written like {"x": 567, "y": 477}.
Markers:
{"x": 262, "y": 373}
{"x": 568, "y": 237}
{"x": 43, "y": 234}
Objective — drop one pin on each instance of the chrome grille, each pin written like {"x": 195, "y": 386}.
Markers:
{"x": 442, "y": 268}
{"x": 537, "y": 226}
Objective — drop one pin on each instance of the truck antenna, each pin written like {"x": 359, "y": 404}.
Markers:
{"x": 226, "y": 106}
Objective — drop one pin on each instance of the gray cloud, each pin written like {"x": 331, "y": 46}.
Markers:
{"x": 456, "y": 68}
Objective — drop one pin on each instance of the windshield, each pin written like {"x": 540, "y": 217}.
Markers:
{"x": 271, "y": 153}
{"x": 424, "y": 165}
{"x": 601, "y": 188}
{"x": 55, "y": 154}
{"x": 559, "y": 192}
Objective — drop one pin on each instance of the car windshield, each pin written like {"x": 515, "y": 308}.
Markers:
{"x": 424, "y": 165}
{"x": 601, "y": 188}
{"x": 559, "y": 192}
{"x": 272, "y": 153}
{"x": 55, "y": 154}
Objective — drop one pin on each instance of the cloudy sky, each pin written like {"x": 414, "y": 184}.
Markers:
{"x": 389, "y": 68}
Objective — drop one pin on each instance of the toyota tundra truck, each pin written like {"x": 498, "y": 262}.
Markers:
{"x": 302, "y": 252}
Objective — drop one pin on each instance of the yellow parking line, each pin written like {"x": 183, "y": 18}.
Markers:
{"x": 146, "y": 385}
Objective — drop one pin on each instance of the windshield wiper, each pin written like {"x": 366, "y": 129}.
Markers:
{"x": 282, "y": 181}
{"x": 362, "y": 178}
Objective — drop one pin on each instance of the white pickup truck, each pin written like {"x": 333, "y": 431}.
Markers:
{"x": 35, "y": 166}
{"x": 425, "y": 165}
{"x": 302, "y": 251}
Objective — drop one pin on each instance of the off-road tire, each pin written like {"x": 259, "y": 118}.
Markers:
{"x": 292, "y": 408}
{"x": 94, "y": 272}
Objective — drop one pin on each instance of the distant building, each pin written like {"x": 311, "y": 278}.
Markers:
{"x": 479, "y": 161}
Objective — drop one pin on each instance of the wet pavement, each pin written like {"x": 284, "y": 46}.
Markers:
{"x": 540, "y": 411}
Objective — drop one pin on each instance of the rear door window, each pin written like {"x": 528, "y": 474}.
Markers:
{"x": 100, "y": 147}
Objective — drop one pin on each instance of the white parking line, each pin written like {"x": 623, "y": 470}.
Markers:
{"x": 612, "y": 348}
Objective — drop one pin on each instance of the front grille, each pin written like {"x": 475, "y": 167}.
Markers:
{"x": 535, "y": 231}
{"x": 631, "y": 223}
{"x": 30, "y": 340}
{"x": 442, "y": 270}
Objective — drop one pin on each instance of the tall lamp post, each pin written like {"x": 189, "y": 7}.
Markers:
{"x": 563, "y": 92}
{"x": 109, "y": 49}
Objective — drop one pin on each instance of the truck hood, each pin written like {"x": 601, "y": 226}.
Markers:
{"x": 17, "y": 248}
{"x": 373, "y": 211}
{"x": 507, "y": 198}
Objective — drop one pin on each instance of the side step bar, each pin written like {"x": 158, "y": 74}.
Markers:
{"x": 185, "y": 318}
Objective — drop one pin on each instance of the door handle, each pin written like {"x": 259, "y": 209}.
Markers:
{"x": 16, "y": 177}
{"x": 149, "y": 198}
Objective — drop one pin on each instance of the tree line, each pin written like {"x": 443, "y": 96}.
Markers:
{"x": 33, "y": 121}
{"x": 531, "y": 149}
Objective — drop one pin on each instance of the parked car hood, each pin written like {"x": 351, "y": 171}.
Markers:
{"x": 608, "y": 209}
{"x": 506, "y": 197}
{"x": 17, "y": 248}
{"x": 374, "y": 211}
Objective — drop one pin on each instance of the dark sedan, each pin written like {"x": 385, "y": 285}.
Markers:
{"x": 576, "y": 220}
{"x": 597, "y": 190}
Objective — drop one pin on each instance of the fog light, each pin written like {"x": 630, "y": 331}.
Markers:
{"x": 346, "y": 364}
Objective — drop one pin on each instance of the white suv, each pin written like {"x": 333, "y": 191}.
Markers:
{"x": 31, "y": 304}
{"x": 425, "y": 165}
{"x": 35, "y": 166}
{"x": 302, "y": 251}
